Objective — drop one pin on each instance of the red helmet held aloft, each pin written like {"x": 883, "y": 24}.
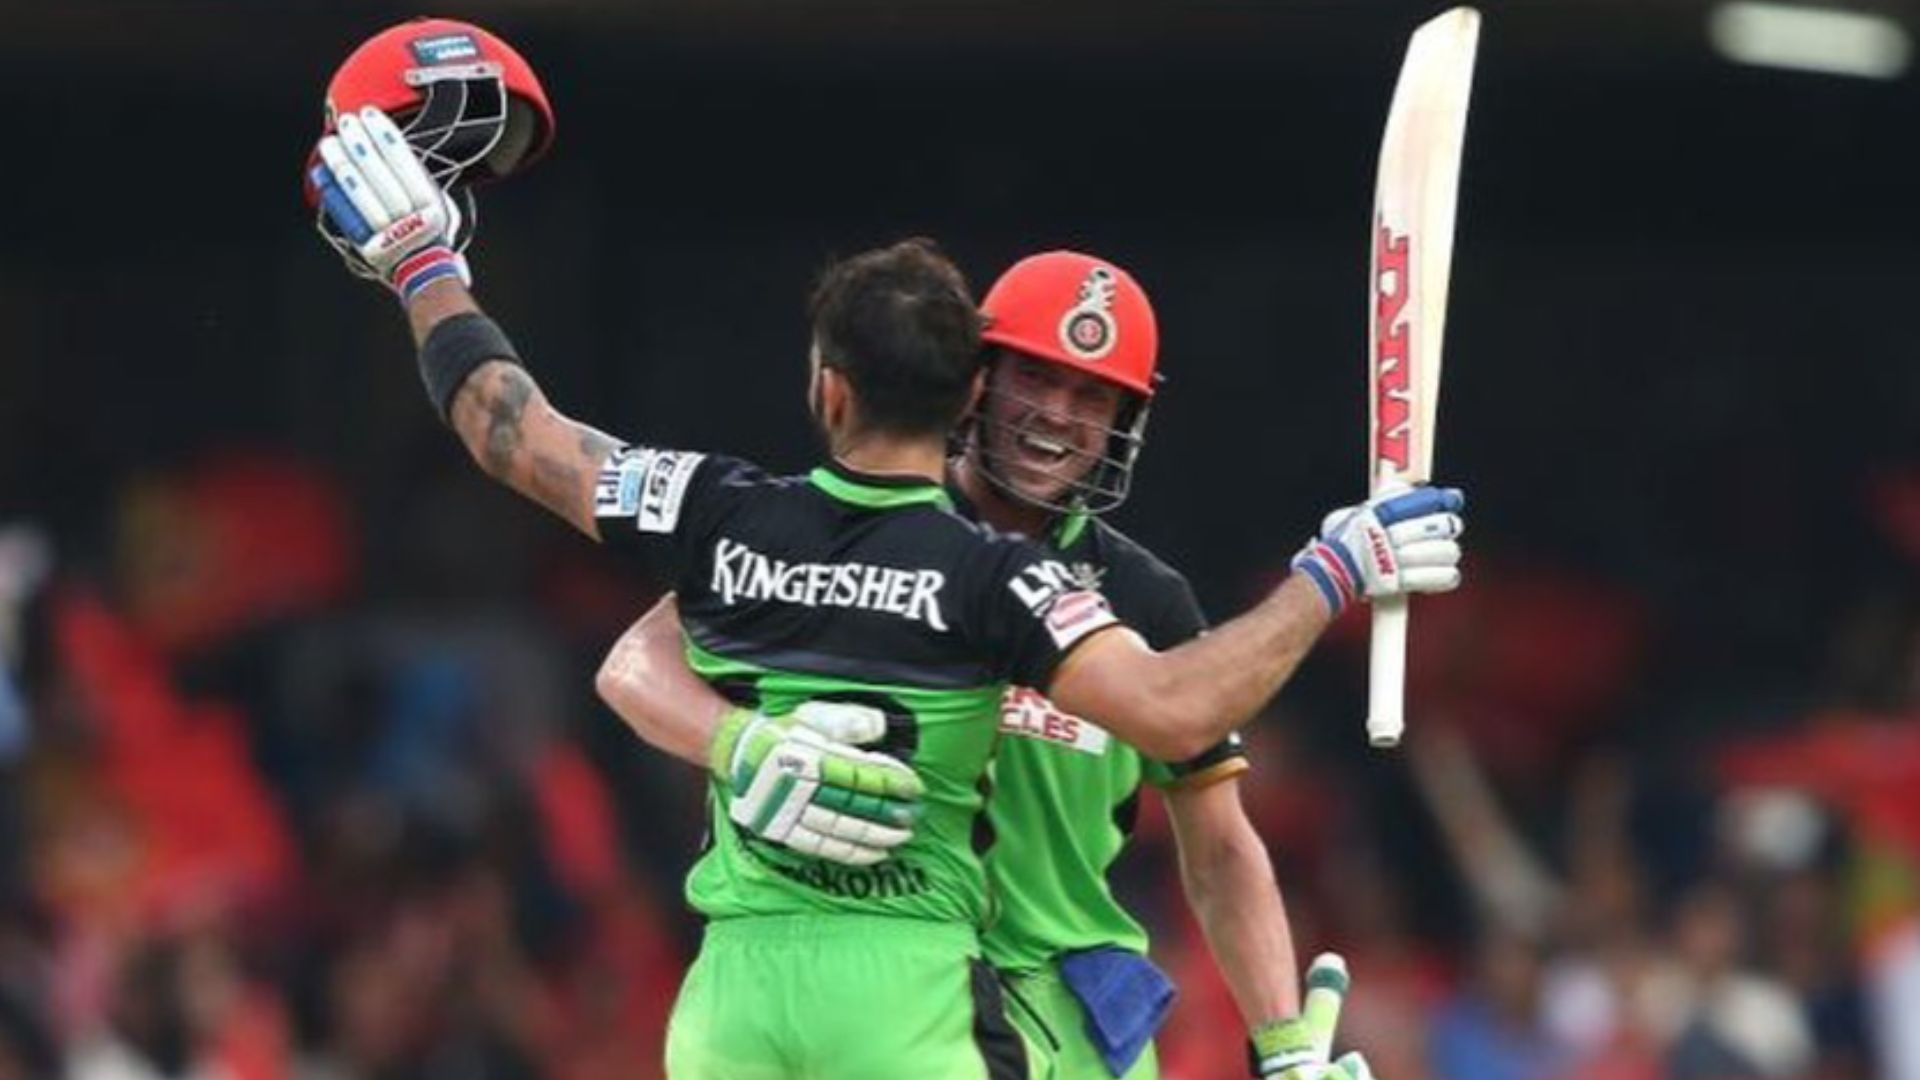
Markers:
{"x": 1079, "y": 311}
{"x": 468, "y": 101}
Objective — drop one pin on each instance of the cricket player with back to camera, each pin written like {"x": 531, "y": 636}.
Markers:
{"x": 1071, "y": 374}
{"x": 855, "y": 581}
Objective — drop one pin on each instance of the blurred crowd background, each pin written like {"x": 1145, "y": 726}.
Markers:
{"x": 301, "y": 774}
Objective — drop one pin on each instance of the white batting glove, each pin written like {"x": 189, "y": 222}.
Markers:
{"x": 396, "y": 223}
{"x": 1400, "y": 541}
{"x": 798, "y": 780}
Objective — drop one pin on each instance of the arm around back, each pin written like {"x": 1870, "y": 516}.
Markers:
{"x": 646, "y": 682}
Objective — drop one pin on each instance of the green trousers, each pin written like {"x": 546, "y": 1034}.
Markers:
{"x": 843, "y": 997}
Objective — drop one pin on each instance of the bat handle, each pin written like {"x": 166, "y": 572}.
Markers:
{"x": 1387, "y": 673}
{"x": 1327, "y": 983}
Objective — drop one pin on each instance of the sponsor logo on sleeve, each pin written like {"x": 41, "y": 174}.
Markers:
{"x": 1075, "y": 615}
{"x": 1029, "y": 714}
{"x": 664, "y": 488}
{"x": 616, "y": 492}
{"x": 1067, "y": 609}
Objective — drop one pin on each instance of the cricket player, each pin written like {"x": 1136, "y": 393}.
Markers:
{"x": 854, "y": 582}
{"x": 1071, "y": 374}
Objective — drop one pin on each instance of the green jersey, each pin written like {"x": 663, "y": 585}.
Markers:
{"x": 1065, "y": 791}
{"x": 837, "y": 586}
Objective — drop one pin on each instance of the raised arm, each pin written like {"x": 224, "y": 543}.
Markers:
{"x": 513, "y": 433}
{"x": 393, "y": 223}
{"x": 1175, "y": 704}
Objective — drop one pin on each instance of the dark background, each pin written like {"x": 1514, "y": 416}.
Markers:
{"x": 1677, "y": 345}
{"x": 1681, "y": 386}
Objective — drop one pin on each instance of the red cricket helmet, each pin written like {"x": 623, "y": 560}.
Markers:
{"x": 1091, "y": 316}
{"x": 467, "y": 100}
{"x": 1079, "y": 311}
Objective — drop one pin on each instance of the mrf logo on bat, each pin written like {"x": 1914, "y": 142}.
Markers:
{"x": 1393, "y": 396}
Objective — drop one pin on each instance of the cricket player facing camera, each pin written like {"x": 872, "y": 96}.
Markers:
{"x": 854, "y": 583}
{"x": 1072, "y": 356}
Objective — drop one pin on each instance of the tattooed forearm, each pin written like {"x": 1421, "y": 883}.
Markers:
{"x": 556, "y": 483}
{"x": 506, "y": 405}
{"x": 518, "y": 438}
{"x": 596, "y": 445}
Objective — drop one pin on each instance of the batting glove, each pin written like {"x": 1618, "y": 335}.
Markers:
{"x": 1400, "y": 541}
{"x": 394, "y": 223}
{"x": 1298, "y": 1047}
{"x": 1350, "y": 1066}
{"x": 798, "y": 780}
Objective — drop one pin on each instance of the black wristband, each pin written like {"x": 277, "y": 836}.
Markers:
{"x": 454, "y": 348}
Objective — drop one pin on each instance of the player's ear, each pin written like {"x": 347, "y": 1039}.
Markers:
{"x": 833, "y": 398}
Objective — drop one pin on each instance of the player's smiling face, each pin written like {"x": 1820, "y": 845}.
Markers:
{"x": 1046, "y": 425}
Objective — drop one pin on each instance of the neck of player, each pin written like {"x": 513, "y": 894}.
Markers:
{"x": 883, "y": 455}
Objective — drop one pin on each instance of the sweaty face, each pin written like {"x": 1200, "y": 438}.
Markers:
{"x": 1046, "y": 425}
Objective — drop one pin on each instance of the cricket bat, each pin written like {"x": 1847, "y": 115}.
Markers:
{"x": 1412, "y": 244}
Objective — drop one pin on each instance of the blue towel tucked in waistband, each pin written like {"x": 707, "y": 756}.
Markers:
{"x": 1126, "y": 999}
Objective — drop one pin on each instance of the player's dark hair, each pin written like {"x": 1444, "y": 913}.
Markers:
{"x": 901, "y": 325}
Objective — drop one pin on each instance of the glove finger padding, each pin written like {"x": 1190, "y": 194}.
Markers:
{"x": 400, "y": 157}
{"x": 373, "y": 166}
{"x": 864, "y": 771}
{"x": 373, "y": 214}
{"x": 1430, "y": 579}
{"x": 895, "y": 813}
{"x": 777, "y": 794}
{"x": 1426, "y": 527}
{"x": 1421, "y": 554}
{"x": 854, "y": 830}
{"x": 833, "y": 849}
{"x": 843, "y": 721}
{"x": 1393, "y": 508}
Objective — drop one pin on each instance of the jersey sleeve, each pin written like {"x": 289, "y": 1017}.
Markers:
{"x": 1028, "y": 611}
{"x": 1176, "y": 620}
{"x": 660, "y": 504}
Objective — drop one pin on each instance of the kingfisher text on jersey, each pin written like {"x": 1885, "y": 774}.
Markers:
{"x": 743, "y": 574}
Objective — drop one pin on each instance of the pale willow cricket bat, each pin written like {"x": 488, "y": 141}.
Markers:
{"x": 1412, "y": 244}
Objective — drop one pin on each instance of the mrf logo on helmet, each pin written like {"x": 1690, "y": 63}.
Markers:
{"x": 1079, "y": 311}
{"x": 468, "y": 102}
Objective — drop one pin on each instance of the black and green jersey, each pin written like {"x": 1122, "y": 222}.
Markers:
{"x": 842, "y": 587}
{"x": 1065, "y": 791}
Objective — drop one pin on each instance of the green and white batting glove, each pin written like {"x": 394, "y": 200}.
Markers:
{"x": 800, "y": 781}
{"x": 1298, "y": 1047}
{"x": 1351, "y": 1066}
